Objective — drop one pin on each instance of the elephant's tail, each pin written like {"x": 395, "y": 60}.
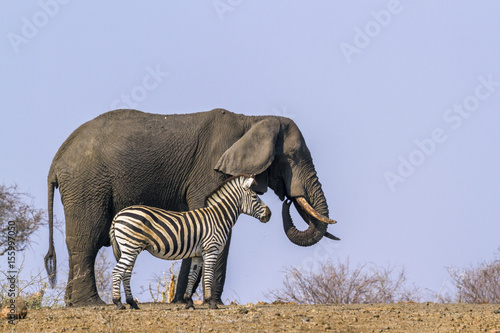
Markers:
{"x": 50, "y": 258}
{"x": 114, "y": 244}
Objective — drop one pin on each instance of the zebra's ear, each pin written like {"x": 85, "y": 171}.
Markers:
{"x": 248, "y": 183}
{"x": 254, "y": 152}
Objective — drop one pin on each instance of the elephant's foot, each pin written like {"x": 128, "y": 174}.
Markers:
{"x": 95, "y": 301}
{"x": 179, "y": 301}
{"x": 133, "y": 304}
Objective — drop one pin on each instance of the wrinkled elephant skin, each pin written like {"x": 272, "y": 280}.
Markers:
{"x": 128, "y": 157}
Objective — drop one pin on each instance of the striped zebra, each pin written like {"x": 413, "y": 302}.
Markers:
{"x": 200, "y": 234}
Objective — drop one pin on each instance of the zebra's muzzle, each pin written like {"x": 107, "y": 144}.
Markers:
{"x": 266, "y": 216}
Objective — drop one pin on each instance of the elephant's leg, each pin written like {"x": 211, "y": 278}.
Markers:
{"x": 194, "y": 273}
{"x": 69, "y": 286}
{"x": 87, "y": 230}
{"x": 182, "y": 281}
{"x": 83, "y": 251}
{"x": 195, "y": 196}
{"x": 218, "y": 281}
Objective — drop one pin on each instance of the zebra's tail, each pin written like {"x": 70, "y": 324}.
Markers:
{"x": 114, "y": 243}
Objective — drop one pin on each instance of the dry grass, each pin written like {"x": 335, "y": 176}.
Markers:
{"x": 162, "y": 317}
{"x": 32, "y": 288}
{"x": 162, "y": 289}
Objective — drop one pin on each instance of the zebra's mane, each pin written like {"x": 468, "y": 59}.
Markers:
{"x": 230, "y": 179}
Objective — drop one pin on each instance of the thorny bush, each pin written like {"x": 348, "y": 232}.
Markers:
{"x": 341, "y": 284}
{"x": 26, "y": 219}
{"x": 478, "y": 284}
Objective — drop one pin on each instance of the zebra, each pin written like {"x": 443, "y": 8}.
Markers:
{"x": 198, "y": 234}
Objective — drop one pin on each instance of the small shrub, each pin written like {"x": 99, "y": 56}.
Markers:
{"x": 17, "y": 216}
{"x": 103, "y": 275}
{"x": 32, "y": 289}
{"x": 340, "y": 284}
{"x": 477, "y": 284}
{"x": 163, "y": 289}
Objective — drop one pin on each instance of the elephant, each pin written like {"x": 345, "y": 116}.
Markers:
{"x": 127, "y": 157}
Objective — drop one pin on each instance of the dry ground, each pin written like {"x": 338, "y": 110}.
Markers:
{"x": 261, "y": 317}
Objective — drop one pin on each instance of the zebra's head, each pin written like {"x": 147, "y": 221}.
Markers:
{"x": 251, "y": 204}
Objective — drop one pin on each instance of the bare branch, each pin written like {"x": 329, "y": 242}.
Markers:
{"x": 18, "y": 219}
{"x": 341, "y": 284}
{"x": 103, "y": 275}
{"x": 479, "y": 284}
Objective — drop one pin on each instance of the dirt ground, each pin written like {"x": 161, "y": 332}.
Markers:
{"x": 262, "y": 317}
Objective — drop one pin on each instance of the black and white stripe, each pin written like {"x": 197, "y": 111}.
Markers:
{"x": 198, "y": 234}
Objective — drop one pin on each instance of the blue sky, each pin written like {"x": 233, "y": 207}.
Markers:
{"x": 398, "y": 102}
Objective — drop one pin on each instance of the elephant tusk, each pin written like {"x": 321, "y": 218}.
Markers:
{"x": 329, "y": 235}
{"x": 311, "y": 211}
{"x": 306, "y": 218}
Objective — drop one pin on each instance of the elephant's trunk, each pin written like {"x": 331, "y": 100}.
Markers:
{"x": 314, "y": 213}
{"x": 311, "y": 236}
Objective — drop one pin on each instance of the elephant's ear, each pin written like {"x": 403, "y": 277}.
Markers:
{"x": 254, "y": 152}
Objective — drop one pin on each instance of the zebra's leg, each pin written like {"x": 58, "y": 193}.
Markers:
{"x": 194, "y": 272}
{"x": 126, "y": 261}
{"x": 209, "y": 260}
{"x": 220, "y": 272}
{"x": 117, "y": 278}
{"x": 128, "y": 290}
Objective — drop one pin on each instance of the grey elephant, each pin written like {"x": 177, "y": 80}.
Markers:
{"x": 128, "y": 157}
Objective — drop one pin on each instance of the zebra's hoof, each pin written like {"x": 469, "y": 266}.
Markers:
{"x": 213, "y": 305}
{"x": 120, "y": 306}
{"x": 133, "y": 304}
{"x": 218, "y": 301}
{"x": 189, "y": 304}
